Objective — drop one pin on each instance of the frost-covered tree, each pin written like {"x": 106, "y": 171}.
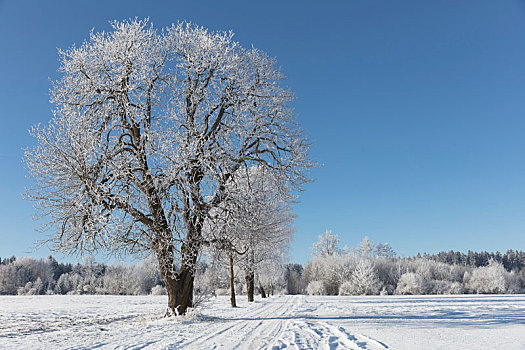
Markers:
{"x": 268, "y": 231}
{"x": 15, "y": 276}
{"x": 366, "y": 248}
{"x": 254, "y": 226}
{"x": 148, "y": 130}
{"x": 316, "y": 288}
{"x": 388, "y": 271}
{"x": 384, "y": 250}
{"x": 493, "y": 279}
{"x": 211, "y": 275}
{"x": 158, "y": 290}
{"x": 411, "y": 283}
{"x": 364, "y": 280}
{"x": 328, "y": 244}
{"x": 333, "y": 270}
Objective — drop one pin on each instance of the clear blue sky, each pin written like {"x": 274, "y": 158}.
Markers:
{"x": 416, "y": 108}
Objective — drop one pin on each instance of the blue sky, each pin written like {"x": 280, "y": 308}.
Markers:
{"x": 416, "y": 109}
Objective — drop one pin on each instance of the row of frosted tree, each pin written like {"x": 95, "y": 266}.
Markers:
{"x": 511, "y": 260}
{"x": 368, "y": 269}
{"x": 373, "y": 269}
{"x": 30, "y": 276}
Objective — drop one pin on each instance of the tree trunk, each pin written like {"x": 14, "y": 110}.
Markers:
{"x": 232, "y": 283}
{"x": 179, "y": 285}
{"x": 180, "y": 291}
{"x": 261, "y": 289}
{"x": 250, "y": 284}
{"x": 250, "y": 276}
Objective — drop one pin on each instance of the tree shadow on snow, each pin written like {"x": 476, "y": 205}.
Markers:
{"x": 445, "y": 319}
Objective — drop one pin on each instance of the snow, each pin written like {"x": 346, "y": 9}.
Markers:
{"x": 279, "y": 322}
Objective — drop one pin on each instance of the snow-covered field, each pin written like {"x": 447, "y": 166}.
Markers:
{"x": 296, "y": 322}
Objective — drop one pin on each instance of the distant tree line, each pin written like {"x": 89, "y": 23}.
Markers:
{"x": 371, "y": 269}
{"x": 512, "y": 260}
{"x": 368, "y": 269}
{"x": 29, "y": 276}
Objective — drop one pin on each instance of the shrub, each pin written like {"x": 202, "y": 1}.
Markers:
{"x": 488, "y": 279}
{"x": 364, "y": 279}
{"x": 411, "y": 283}
{"x": 158, "y": 290}
{"x": 445, "y": 287}
{"x": 347, "y": 288}
{"x": 316, "y": 288}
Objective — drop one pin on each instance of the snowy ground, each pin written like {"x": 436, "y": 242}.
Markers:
{"x": 296, "y": 322}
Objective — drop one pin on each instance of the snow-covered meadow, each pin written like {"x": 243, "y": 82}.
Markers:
{"x": 296, "y": 322}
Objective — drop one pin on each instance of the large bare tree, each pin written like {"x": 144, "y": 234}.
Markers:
{"x": 149, "y": 128}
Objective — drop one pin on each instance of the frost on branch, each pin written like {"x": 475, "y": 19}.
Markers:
{"x": 328, "y": 245}
{"x": 150, "y": 128}
{"x": 252, "y": 229}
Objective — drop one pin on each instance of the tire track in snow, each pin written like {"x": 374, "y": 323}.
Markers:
{"x": 321, "y": 335}
{"x": 276, "y": 324}
{"x": 251, "y": 330}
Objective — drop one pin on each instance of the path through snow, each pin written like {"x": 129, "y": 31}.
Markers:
{"x": 280, "y": 323}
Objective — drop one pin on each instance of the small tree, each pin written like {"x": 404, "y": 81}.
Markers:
{"x": 254, "y": 226}
{"x": 411, "y": 283}
{"x": 148, "y": 130}
{"x": 366, "y": 248}
{"x": 316, "y": 288}
{"x": 328, "y": 244}
{"x": 364, "y": 280}
{"x": 384, "y": 250}
{"x": 492, "y": 279}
